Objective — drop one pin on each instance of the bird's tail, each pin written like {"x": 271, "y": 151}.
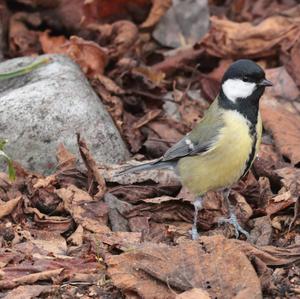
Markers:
{"x": 154, "y": 164}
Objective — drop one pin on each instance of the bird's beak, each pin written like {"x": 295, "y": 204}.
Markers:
{"x": 265, "y": 82}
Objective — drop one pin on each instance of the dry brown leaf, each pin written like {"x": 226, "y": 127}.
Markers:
{"x": 122, "y": 240}
{"x": 45, "y": 182}
{"x": 289, "y": 193}
{"x": 106, "y": 10}
{"x": 159, "y": 8}
{"x": 90, "y": 56}
{"x": 91, "y": 166}
{"x": 285, "y": 128}
{"x": 149, "y": 116}
{"x": 261, "y": 233}
{"x": 166, "y": 131}
{"x": 30, "y": 278}
{"x": 284, "y": 88}
{"x": 66, "y": 160}
{"x": 40, "y": 3}
{"x": 290, "y": 179}
{"x": 106, "y": 89}
{"x": 292, "y": 62}
{"x": 150, "y": 74}
{"x": 232, "y": 40}
{"x": 212, "y": 263}
{"x": 120, "y": 37}
{"x": 194, "y": 294}
{"x": 52, "y": 44}
{"x": 51, "y": 242}
{"x": 7, "y": 207}
{"x": 76, "y": 239}
{"x": 23, "y": 41}
{"x": 91, "y": 214}
{"x": 180, "y": 60}
{"x": 270, "y": 255}
{"x": 28, "y": 292}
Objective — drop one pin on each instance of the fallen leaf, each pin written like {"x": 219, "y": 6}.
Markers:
{"x": 291, "y": 61}
{"x": 31, "y": 278}
{"x": 45, "y": 182}
{"x": 28, "y": 292}
{"x": 7, "y": 207}
{"x": 90, "y": 56}
{"x": 66, "y": 160}
{"x": 51, "y": 242}
{"x": 261, "y": 233}
{"x": 158, "y": 10}
{"x": 76, "y": 239}
{"x": 40, "y": 3}
{"x": 91, "y": 214}
{"x": 284, "y": 90}
{"x": 227, "y": 39}
{"x": 151, "y": 115}
{"x": 121, "y": 240}
{"x": 157, "y": 270}
{"x": 117, "y": 209}
{"x": 285, "y": 128}
{"x": 91, "y": 166}
{"x": 179, "y": 60}
{"x": 150, "y": 74}
{"x": 22, "y": 40}
{"x": 194, "y": 294}
{"x": 108, "y": 11}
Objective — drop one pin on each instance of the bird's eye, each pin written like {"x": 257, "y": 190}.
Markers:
{"x": 246, "y": 79}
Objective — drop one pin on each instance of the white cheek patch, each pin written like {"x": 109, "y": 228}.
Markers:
{"x": 236, "y": 88}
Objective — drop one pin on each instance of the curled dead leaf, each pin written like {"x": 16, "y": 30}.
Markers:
{"x": 285, "y": 128}
{"x": 212, "y": 263}
{"x": 158, "y": 9}
{"x": 231, "y": 39}
{"x": 7, "y": 207}
{"x": 194, "y": 294}
{"x": 66, "y": 160}
{"x": 91, "y": 166}
{"x": 90, "y": 214}
{"x": 90, "y": 56}
{"x": 22, "y": 40}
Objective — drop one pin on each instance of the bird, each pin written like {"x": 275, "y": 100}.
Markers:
{"x": 221, "y": 148}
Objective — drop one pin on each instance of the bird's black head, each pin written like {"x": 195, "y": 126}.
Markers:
{"x": 242, "y": 86}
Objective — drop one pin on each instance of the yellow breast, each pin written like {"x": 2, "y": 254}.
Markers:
{"x": 224, "y": 164}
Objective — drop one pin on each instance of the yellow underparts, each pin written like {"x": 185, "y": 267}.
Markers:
{"x": 224, "y": 164}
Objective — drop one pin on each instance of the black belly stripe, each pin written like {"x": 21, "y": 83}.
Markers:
{"x": 249, "y": 109}
{"x": 252, "y": 153}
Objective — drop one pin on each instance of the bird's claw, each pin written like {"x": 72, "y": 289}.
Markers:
{"x": 194, "y": 232}
{"x": 237, "y": 227}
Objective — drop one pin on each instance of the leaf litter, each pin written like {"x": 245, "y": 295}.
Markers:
{"x": 85, "y": 231}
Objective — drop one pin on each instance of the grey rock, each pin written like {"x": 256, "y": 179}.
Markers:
{"x": 117, "y": 208}
{"x": 47, "y": 107}
{"x": 185, "y": 23}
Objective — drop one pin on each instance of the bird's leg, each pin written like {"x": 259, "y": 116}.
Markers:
{"x": 197, "y": 206}
{"x": 232, "y": 217}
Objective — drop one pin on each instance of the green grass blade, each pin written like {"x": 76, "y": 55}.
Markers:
{"x": 24, "y": 70}
{"x": 11, "y": 170}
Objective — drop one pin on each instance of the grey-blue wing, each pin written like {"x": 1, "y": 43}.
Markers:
{"x": 201, "y": 139}
{"x": 185, "y": 147}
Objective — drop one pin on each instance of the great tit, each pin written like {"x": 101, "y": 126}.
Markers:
{"x": 223, "y": 145}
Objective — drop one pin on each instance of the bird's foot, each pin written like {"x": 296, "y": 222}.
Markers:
{"x": 197, "y": 206}
{"x": 237, "y": 227}
{"x": 194, "y": 233}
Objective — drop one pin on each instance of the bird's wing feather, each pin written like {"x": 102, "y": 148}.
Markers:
{"x": 202, "y": 138}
